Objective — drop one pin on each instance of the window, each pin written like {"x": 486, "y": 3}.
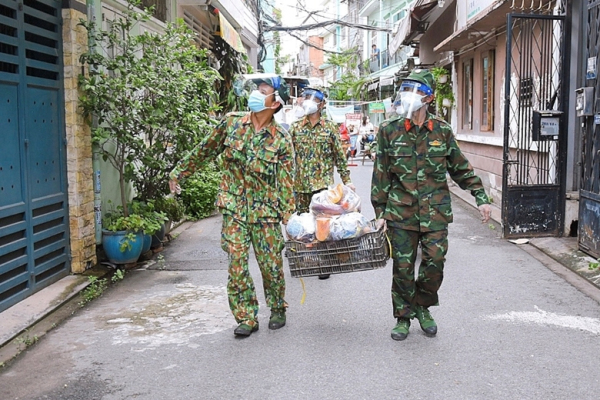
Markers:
{"x": 468, "y": 94}
{"x": 487, "y": 91}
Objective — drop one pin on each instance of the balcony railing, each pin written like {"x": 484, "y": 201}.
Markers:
{"x": 386, "y": 60}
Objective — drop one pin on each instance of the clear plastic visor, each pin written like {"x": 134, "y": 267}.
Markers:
{"x": 312, "y": 95}
{"x": 243, "y": 85}
{"x": 412, "y": 87}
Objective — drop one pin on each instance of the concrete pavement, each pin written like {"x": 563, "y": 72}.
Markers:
{"x": 196, "y": 248}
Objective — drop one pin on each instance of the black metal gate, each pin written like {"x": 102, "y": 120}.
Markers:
{"x": 34, "y": 219}
{"x": 534, "y": 126}
{"x": 589, "y": 194}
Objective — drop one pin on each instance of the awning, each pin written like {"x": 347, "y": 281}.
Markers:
{"x": 386, "y": 81}
{"x": 372, "y": 86}
{"x": 489, "y": 19}
{"x": 412, "y": 26}
{"x": 229, "y": 34}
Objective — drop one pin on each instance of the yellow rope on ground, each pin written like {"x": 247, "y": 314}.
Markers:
{"x": 303, "y": 291}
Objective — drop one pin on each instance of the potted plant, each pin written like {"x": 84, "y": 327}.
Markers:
{"x": 122, "y": 236}
{"x": 147, "y": 102}
{"x": 154, "y": 221}
{"x": 444, "y": 96}
{"x": 172, "y": 208}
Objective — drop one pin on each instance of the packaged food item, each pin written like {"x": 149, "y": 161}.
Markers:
{"x": 323, "y": 227}
{"x": 301, "y": 227}
{"x": 348, "y": 226}
{"x": 337, "y": 200}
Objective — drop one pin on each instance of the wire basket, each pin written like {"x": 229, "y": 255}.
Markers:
{"x": 363, "y": 253}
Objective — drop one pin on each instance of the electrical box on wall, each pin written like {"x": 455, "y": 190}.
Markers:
{"x": 584, "y": 101}
{"x": 546, "y": 124}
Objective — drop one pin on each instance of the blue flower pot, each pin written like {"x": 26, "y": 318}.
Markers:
{"x": 111, "y": 242}
{"x": 158, "y": 237}
{"x": 147, "y": 243}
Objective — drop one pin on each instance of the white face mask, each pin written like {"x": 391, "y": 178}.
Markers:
{"x": 299, "y": 112}
{"x": 409, "y": 103}
{"x": 310, "y": 107}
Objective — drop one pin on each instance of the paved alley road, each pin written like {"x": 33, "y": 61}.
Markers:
{"x": 509, "y": 328}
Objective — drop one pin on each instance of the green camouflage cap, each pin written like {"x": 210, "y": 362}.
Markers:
{"x": 422, "y": 76}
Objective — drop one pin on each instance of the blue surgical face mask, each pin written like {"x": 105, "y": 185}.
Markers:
{"x": 256, "y": 101}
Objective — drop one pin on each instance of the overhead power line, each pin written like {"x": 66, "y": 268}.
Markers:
{"x": 322, "y": 24}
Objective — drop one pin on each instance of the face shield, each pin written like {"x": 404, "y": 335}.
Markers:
{"x": 248, "y": 86}
{"x": 410, "y": 98}
{"x": 310, "y": 101}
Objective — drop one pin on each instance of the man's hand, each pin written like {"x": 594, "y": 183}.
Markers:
{"x": 174, "y": 187}
{"x": 486, "y": 212}
{"x": 381, "y": 223}
{"x": 351, "y": 186}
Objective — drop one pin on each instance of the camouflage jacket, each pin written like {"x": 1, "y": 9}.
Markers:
{"x": 258, "y": 169}
{"x": 409, "y": 186}
{"x": 318, "y": 149}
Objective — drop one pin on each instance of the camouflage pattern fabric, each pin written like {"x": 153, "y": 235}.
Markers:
{"x": 409, "y": 186}
{"x": 318, "y": 149}
{"x": 255, "y": 195}
{"x": 303, "y": 201}
{"x": 406, "y": 291}
{"x": 258, "y": 173}
{"x": 267, "y": 240}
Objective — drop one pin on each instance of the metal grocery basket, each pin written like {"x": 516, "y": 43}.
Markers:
{"x": 367, "y": 252}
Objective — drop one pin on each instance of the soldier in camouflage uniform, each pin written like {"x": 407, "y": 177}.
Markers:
{"x": 409, "y": 192}
{"x": 318, "y": 149}
{"x": 255, "y": 195}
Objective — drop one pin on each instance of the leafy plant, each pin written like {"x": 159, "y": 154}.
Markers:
{"x": 94, "y": 290}
{"x": 443, "y": 90}
{"x": 142, "y": 217}
{"x": 152, "y": 218}
{"x": 171, "y": 207}
{"x": 594, "y": 265}
{"x": 119, "y": 275}
{"x": 231, "y": 64}
{"x": 147, "y": 99}
{"x": 350, "y": 85}
{"x": 199, "y": 191}
{"x": 27, "y": 340}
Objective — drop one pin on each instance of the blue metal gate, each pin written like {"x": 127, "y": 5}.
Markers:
{"x": 34, "y": 220}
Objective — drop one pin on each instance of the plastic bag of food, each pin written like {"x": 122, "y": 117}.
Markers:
{"x": 301, "y": 227}
{"x": 336, "y": 200}
{"x": 321, "y": 205}
{"x": 350, "y": 201}
{"x": 348, "y": 226}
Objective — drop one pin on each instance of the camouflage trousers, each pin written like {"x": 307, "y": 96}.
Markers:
{"x": 407, "y": 291}
{"x": 303, "y": 200}
{"x": 267, "y": 240}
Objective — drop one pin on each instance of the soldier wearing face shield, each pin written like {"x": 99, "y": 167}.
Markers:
{"x": 255, "y": 195}
{"x": 409, "y": 192}
{"x": 318, "y": 150}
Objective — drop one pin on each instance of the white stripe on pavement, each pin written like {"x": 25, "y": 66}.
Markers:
{"x": 542, "y": 317}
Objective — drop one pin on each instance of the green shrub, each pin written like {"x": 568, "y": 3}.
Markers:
{"x": 171, "y": 207}
{"x": 199, "y": 192}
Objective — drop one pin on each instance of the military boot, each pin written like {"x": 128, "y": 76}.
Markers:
{"x": 426, "y": 321}
{"x": 277, "y": 319}
{"x": 245, "y": 329}
{"x": 400, "y": 331}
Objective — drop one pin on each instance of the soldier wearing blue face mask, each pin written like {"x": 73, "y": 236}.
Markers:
{"x": 255, "y": 195}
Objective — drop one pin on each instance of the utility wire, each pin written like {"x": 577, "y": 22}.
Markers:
{"x": 322, "y": 24}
